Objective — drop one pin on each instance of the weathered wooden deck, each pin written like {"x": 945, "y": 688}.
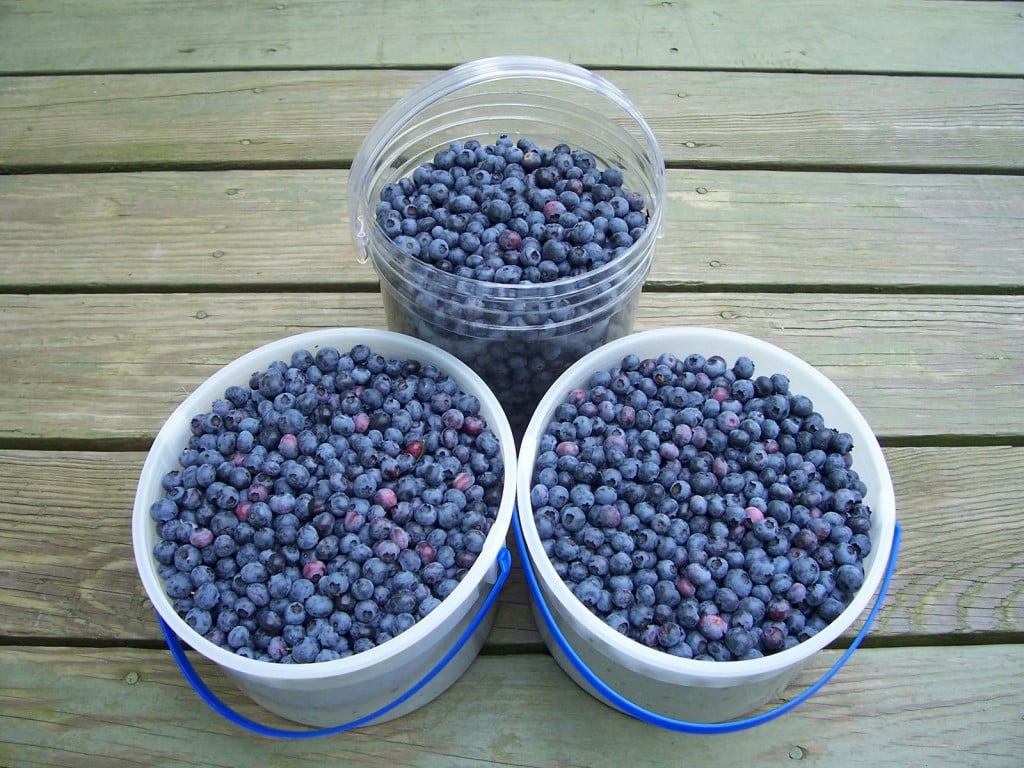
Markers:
{"x": 845, "y": 182}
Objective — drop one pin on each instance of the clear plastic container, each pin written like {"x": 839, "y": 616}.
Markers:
{"x": 518, "y": 337}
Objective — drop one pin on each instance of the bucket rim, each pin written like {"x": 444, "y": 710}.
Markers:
{"x": 656, "y": 663}
{"x": 170, "y": 440}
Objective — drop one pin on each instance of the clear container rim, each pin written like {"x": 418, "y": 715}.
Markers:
{"x": 477, "y": 72}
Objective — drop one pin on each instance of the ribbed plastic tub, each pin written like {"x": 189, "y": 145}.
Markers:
{"x": 495, "y": 327}
{"x": 650, "y": 684}
{"x": 422, "y": 661}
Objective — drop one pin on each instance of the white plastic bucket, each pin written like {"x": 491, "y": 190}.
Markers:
{"x": 648, "y": 683}
{"x": 428, "y": 657}
{"x": 496, "y": 328}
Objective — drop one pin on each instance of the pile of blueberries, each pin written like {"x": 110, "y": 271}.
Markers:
{"x": 512, "y": 213}
{"x": 327, "y": 506}
{"x": 493, "y": 218}
{"x": 701, "y": 509}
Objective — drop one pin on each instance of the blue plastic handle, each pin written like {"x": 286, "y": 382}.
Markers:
{"x": 684, "y": 726}
{"x": 178, "y": 653}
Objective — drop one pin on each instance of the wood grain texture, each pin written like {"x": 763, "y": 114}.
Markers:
{"x": 884, "y": 35}
{"x": 289, "y": 229}
{"x": 113, "y": 366}
{"x": 891, "y": 708}
{"x": 846, "y": 182}
{"x": 320, "y": 118}
{"x": 67, "y": 568}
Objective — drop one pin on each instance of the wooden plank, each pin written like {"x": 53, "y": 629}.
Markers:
{"x": 320, "y": 118}
{"x": 916, "y": 365}
{"x": 179, "y": 230}
{"x": 935, "y": 706}
{"x": 282, "y": 229}
{"x": 882, "y": 35}
{"x": 67, "y": 568}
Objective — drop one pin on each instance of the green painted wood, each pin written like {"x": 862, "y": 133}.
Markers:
{"x": 935, "y": 706}
{"x": 916, "y": 365}
{"x": 882, "y": 35}
{"x": 867, "y": 222}
{"x": 236, "y": 230}
{"x": 319, "y": 118}
{"x": 67, "y": 568}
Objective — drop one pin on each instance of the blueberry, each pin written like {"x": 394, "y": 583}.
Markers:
{"x": 830, "y": 609}
{"x": 669, "y": 635}
{"x": 164, "y": 551}
{"x": 253, "y": 572}
{"x": 318, "y": 606}
{"x": 611, "y": 178}
{"x": 306, "y": 651}
{"x": 713, "y": 626}
{"x": 773, "y": 639}
{"x": 163, "y": 509}
{"x": 849, "y": 577}
{"x": 688, "y": 613}
{"x": 239, "y": 637}
{"x": 761, "y": 571}
{"x": 738, "y": 581}
{"x": 207, "y": 597}
{"x": 199, "y": 619}
{"x": 588, "y": 591}
{"x": 187, "y": 557}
